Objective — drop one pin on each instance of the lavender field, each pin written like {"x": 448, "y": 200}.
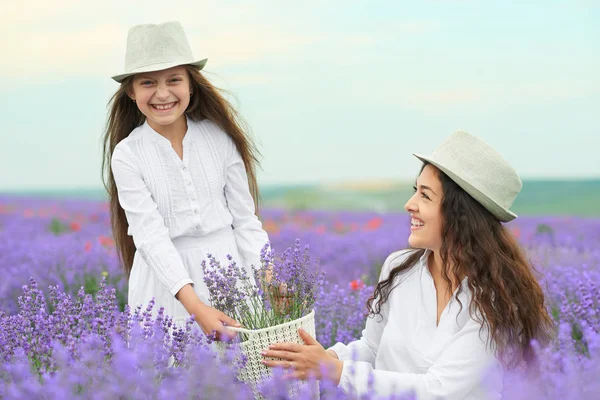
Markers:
{"x": 65, "y": 331}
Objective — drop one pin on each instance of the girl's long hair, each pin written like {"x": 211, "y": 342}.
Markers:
{"x": 507, "y": 299}
{"x": 207, "y": 102}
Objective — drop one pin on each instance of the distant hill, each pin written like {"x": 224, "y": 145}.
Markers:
{"x": 538, "y": 197}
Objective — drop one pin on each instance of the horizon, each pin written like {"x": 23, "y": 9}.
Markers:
{"x": 363, "y": 184}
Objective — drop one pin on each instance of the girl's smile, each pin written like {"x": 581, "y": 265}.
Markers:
{"x": 164, "y": 108}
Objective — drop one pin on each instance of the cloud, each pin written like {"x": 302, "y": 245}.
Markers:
{"x": 72, "y": 38}
{"x": 451, "y": 96}
{"x": 100, "y": 49}
{"x": 32, "y": 12}
{"x": 80, "y": 52}
{"x": 42, "y": 38}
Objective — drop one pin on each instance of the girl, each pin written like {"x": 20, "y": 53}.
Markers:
{"x": 451, "y": 310}
{"x": 181, "y": 177}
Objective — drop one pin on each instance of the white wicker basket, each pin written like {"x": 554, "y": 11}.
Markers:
{"x": 258, "y": 340}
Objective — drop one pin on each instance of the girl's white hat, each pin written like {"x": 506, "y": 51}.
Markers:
{"x": 154, "y": 47}
{"x": 480, "y": 170}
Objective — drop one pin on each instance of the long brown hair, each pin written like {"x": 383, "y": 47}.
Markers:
{"x": 507, "y": 298}
{"x": 207, "y": 102}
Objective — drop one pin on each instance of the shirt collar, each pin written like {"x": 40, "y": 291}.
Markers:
{"x": 157, "y": 137}
{"x": 423, "y": 264}
{"x": 424, "y": 257}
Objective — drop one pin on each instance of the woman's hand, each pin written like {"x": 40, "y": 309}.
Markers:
{"x": 210, "y": 320}
{"x": 305, "y": 361}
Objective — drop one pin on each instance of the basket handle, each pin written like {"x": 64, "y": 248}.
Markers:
{"x": 238, "y": 330}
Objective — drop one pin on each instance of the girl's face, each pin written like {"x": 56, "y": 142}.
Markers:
{"x": 424, "y": 209}
{"x": 162, "y": 96}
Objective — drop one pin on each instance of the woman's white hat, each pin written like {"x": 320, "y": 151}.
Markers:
{"x": 480, "y": 171}
{"x": 154, "y": 47}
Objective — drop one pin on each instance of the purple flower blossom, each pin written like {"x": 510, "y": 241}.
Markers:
{"x": 68, "y": 333}
{"x": 288, "y": 287}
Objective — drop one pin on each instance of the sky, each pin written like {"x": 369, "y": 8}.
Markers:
{"x": 333, "y": 90}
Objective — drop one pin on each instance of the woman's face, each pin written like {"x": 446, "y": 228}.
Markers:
{"x": 424, "y": 208}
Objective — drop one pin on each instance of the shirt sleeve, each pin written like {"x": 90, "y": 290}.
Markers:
{"x": 458, "y": 371}
{"x": 365, "y": 349}
{"x": 146, "y": 225}
{"x": 247, "y": 228}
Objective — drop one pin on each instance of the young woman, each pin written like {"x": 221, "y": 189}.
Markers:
{"x": 452, "y": 311}
{"x": 181, "y": 177}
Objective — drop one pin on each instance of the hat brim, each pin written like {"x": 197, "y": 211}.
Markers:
{"x": 496, "y": 209}
{"x": 159, "y": 67}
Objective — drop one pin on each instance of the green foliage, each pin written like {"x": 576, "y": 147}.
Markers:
{"x": 57, "y": 226}
{"x": 544, "y": 228}
{"x": 91, "y": 285}
{"x": 581, "y": 344}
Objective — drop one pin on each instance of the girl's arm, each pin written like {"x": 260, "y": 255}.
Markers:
{"x": 146, "y": 225}
{"x": 249, "y": 234}
{"x": 210, "y": 319}
{"x": 152, "y": 241}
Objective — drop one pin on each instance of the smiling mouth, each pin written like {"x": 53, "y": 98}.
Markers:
{"x": 163, "y": 107}
{"x": 416, "y": 223}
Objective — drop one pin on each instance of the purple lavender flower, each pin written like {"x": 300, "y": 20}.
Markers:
{"x": 68, "y": 315}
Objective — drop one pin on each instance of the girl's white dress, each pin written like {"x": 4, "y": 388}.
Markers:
{"x": 180, "y": 210}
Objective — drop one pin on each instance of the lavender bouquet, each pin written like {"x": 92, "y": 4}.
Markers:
{"x": 282, "y": 289}
{"x": 271, "y": 305}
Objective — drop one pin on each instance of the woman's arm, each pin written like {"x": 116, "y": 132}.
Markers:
{"x": 460, "y": 368}
{"x": 366, "y": 348}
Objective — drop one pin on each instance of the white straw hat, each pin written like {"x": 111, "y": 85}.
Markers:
{"x": 480, "y": 171}
{"x": 153, "y": 47}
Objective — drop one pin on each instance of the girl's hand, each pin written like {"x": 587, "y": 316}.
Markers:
{"x": 305, "y": 361}
{"x": 213, "y": 321}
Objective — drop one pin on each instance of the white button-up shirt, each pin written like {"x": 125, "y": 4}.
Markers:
{"x": 404, "y": 350}
{"x": 165, "y": 197}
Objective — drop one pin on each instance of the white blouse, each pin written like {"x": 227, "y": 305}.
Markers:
{"x": 403, "y": 349}
{"x": 165, "y": 197}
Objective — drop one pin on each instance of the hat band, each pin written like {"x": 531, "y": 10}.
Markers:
{"x": 143, "y": 68}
